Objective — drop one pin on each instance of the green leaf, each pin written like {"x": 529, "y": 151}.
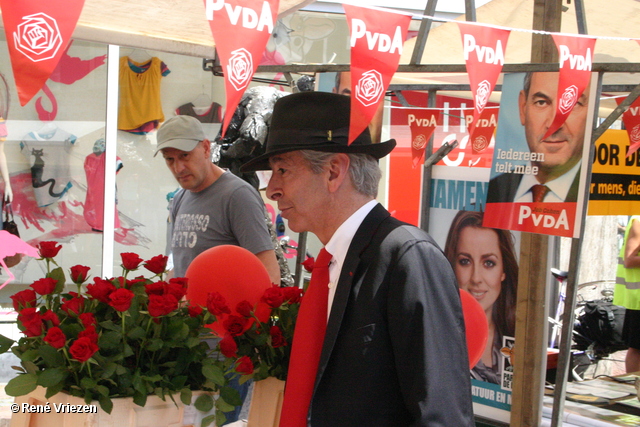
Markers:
{"x": 185, "y": 396}
{"x": 21, "y": 385}
{"x": 109, "y": 370}
{"x": 110, "y": 340}
{"x": 137, "y": 333}
{"x": 214, "y": 373}
{"x": 30, "y": 367}
{"x": 88, "y": 383}
{"x": 140, "y": 399}
{"x": 51, "y": 377}
{"x": 108, "y": 324}
{"x": 105, "y": 403}
{"x": 204, "y": 403}
{"x": 221, "y": 418}
{"x": 127, "y": 351}
{"x": 104, "y": 391}
{"x": 121, "y": 370}
{"x": 154, "y": 344}
{"x": 223, "y": 406}
{"x": 5, "y": 344}
{"x": 179, "y": 382}
{"x": 51, "y": 356}
{"x": 58, "y": 274}
{"x": 231, "y": 396}
{"x": 54, "y": 389}
{"x": 29, "y": 355}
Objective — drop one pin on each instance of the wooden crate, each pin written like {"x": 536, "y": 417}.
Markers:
{"x": 125, "y": 413}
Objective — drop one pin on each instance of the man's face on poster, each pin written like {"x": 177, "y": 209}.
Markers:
{"x": 563, "y": 149}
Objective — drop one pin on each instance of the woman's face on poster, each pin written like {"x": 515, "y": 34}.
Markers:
{"x": 479, "y": 267}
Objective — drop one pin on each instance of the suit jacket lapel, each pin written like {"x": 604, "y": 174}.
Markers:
{"x": 360, "y": 242}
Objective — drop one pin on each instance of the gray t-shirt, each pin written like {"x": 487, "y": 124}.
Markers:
{"x": 228, "y": 212}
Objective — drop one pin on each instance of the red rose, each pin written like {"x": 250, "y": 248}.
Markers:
{"x": 89, "y": 332}
{"x": 82, "y": 349}
{"x": 236, "y": 325}
{"x": 244, "y": 308}
{"x": 24, "y": 299}
{"x": 273, "y": 297}
{"x": 195, "y": 310}
{"x": 88, "y": 319}
{"x": 100, "y": 289}
{"x": 161, "y": 305}
{"x": 120, "y": 299}
{"x": 277, "y": 339}
{"x": 55, "y": 337}
{"x": 31, "y": 321}
{"x": 73, "y": 305}
{"x": 50, "y": 316}
{"x": 130, "y": 261}
{"x": 244, "y": 366}
{"x": 228, "y": 346}
{"x": 79, "y": 273}
{"x": 131, "y": 283}
{"x": 292, "y": 294}
{"x": 44, "y": 286}
{"x": 177, "y": 287}
{"x": 49, "y": 249}
{"x": 155, "y": 288}
{"x": 309, "y": 263}
{"x": 119, "y": 282}
{"x": 157, "y": 264}
{"x": 216, "y": 304}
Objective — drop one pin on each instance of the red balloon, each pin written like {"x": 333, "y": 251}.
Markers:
{"x": 234, "y": 272}
{"x": 476, "y": 326}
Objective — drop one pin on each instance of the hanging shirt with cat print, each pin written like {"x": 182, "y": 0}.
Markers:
{"x": 48, "y": 154}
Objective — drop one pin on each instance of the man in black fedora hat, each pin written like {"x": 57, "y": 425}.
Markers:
{"x": 394, "y": 352}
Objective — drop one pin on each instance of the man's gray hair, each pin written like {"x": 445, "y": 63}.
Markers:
{"x": 364, "y": 171}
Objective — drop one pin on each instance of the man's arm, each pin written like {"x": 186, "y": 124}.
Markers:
{"x": 632, "y": 246}
{"x": 268, "y": 259}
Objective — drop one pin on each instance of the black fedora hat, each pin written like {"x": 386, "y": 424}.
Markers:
{"x": 316, "y": 121}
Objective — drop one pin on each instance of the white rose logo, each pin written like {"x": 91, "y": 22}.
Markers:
{"x": 482, "y": 95}
{"x": 240, "y": 68}
{"x": 568, "y": 100}
{"x": 480, "y": 143}
{"x": 634, "y": 135}
{"x": 419, "y": 142}
{"x": 37, "y": 37}
{"x": 369, "y": 88}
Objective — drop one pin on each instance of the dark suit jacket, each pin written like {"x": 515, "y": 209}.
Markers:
{"x": 502, "y": 188}
{"x": 394, "y": 352}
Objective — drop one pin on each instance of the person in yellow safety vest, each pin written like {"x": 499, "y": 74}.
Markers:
{"x": 627, "y": 292}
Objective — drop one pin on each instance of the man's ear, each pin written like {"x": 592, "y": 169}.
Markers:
{"x": 338, "y": 170}
{"x": 206, "y": 144}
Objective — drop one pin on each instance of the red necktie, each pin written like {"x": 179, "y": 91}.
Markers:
{"x": 539, "y": 191}
{"x": 307, "y": 345}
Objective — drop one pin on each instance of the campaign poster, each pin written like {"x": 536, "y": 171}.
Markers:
{"x": 485, "y": 263}
{"x": 537, "y": 182}
{"x": 459, "y": 181}
{"x": 615, "y": 176}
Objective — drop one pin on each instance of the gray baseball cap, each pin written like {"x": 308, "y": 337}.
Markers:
{"x": 181, "y": 132}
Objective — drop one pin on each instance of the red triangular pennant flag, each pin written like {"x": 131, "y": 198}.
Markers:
{"x": 38, "y": 32}
{"x": 377, "y": 38}
{"x": 631, "y": 120}
{"x": 241, "y": 30}
{"x": 483, "y": 128}
{"x": 423, "y": 123}
{"x": 483, "y": 49}
{"x": 576, "y": 58}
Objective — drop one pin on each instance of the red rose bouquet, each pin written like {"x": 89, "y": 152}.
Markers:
{"x": 116, "y": 337}
{"x": 257, "y": 340}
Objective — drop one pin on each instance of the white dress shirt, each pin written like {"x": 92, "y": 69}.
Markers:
{"x": 338, "y": 246}
{"x": 559, "y": 187}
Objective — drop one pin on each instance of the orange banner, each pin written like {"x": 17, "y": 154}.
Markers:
{"x": 377, "y": 38}
{"x": 38, "y": 33}
{"x": 241, "y": 30}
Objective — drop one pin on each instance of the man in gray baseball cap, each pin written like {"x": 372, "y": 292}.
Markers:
{"x": 214, "y": 206}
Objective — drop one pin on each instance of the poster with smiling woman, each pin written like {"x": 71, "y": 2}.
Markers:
{"x": 537, "y": 181}
{"x": 485, "y": 263}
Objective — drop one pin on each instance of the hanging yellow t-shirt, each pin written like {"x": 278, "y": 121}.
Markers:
{"x": 140, "y": 93}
